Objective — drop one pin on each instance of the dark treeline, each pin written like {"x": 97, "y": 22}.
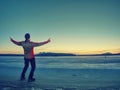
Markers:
{"x": 54, "y": 54}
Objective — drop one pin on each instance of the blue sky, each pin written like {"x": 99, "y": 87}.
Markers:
{"x": 75, "y": 26}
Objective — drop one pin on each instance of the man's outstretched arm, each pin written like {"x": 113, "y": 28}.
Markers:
{"x": 41, "y": 43}
{"x": 15, "y": 42}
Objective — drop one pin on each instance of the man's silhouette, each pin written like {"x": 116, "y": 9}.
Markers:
{"x": 29, "y": 57}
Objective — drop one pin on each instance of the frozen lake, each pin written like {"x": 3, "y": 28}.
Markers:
{"x": 62, "y": 73}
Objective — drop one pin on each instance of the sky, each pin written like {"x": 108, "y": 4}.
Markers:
{"x": 74, "y": 26}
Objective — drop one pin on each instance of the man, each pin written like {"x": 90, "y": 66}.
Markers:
{"x": 29, "y": 57}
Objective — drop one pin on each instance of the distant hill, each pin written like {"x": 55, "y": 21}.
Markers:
{"x": 103, "y": 54}
{"x": 107, "y": 53}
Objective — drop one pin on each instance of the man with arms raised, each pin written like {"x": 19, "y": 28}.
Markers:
{"x": 29, "y": 57}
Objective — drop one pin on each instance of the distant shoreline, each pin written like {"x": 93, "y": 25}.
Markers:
{"x": 62, "y": 54}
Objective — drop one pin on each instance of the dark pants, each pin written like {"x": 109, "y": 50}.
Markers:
{"x": 26, "y": 65}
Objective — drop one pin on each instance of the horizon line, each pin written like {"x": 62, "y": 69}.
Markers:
{"x": 105, "y": 53}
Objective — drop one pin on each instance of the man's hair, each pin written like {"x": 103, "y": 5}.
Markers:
{"x": 27, "y": 36}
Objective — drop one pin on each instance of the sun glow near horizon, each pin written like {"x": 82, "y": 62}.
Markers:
{"x": 19, "y": 50}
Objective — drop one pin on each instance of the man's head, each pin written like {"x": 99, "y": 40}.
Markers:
{"x": 27, "y": 36}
